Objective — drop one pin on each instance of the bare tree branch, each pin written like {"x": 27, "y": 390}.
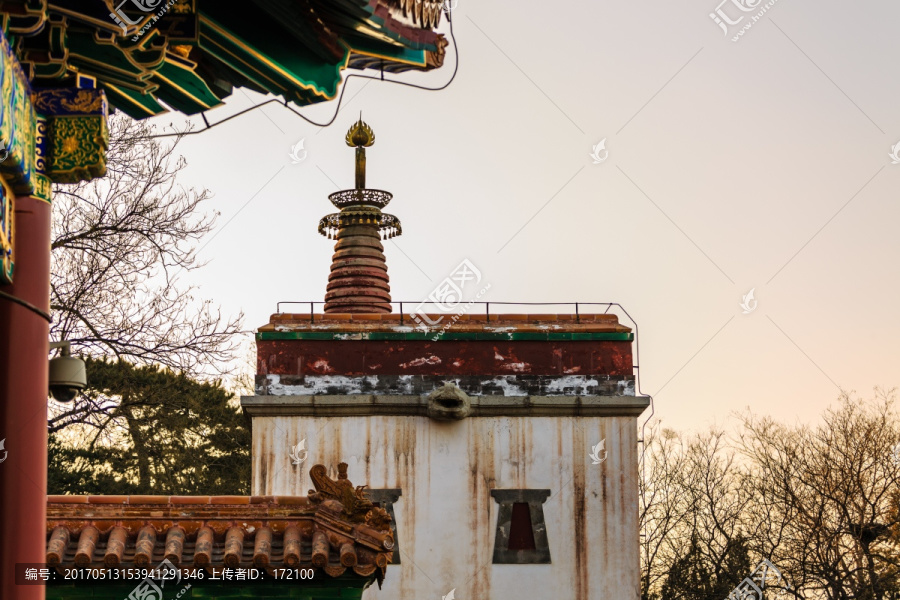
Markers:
{"x": 119, "y": 244}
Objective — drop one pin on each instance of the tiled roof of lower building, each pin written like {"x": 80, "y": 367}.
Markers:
{"x": 334, "y": 529}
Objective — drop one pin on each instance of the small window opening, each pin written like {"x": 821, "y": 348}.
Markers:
{"x": 521, "y": 535}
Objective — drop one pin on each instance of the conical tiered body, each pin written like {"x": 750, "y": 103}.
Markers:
{"x": 359, "y": 281}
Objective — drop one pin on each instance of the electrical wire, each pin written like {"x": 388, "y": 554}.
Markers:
{"x": 28, "y": 305}
{"x": 447, "y": 12}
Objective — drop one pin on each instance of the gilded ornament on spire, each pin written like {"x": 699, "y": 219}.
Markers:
{"x": 360, "y": 135}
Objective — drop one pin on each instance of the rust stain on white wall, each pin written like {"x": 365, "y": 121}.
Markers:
{"x": 446, "y": 515}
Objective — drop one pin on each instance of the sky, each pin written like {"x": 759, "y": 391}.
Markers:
{"x": 762, "y": 164}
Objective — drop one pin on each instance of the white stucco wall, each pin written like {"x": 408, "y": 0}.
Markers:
{"x": 446, "y": 516}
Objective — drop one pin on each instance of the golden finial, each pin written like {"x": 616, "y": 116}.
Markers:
{"x": 360, "y": 135}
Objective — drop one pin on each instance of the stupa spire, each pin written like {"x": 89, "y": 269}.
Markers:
{"x": 359, "y": 281}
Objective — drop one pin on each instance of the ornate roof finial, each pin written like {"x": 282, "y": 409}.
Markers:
{"x": 360, "y": 136}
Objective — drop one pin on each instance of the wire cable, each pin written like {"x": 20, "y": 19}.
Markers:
{"x": 447, "y": 12}
{"x": 44, "y": 315}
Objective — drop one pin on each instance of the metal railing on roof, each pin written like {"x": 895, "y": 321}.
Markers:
{"x": 487, "y": 307}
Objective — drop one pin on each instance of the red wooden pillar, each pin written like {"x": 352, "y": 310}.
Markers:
{"x": 23, "y": 401}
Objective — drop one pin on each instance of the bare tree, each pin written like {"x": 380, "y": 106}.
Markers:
{"x": 828, "y": 495}
{"x": 822, "y": 503}
{"x": 716, "y": 487}
{"x": 120, "y": 244}
{"x": 692, "y": 501}
{"x": 665, "y": 505}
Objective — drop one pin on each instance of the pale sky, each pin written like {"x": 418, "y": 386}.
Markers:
{"x": 762, "y": 164}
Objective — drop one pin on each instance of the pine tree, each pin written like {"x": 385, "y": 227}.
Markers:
{"x": 152, "y": 431}
{"x": 736, "y": 566}
{"x": 690, "y": 577}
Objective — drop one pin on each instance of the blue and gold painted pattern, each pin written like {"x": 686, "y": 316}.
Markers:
{"x": 17, "y": 123}
{"x": 73, "y": 140}
{"x": 71, "y": 102}
{"x": 7, "y": 222}
{"x": 17, "y": 149}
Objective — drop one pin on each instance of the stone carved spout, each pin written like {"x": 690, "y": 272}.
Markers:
{"x": 448, "y": 403}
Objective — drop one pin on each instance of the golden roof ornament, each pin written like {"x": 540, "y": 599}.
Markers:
{"x": 360, "y": 136}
